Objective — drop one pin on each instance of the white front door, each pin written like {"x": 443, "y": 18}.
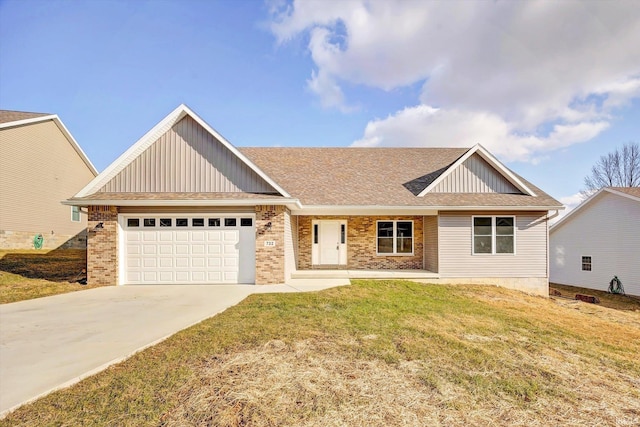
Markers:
{"x": 329, "y": 239}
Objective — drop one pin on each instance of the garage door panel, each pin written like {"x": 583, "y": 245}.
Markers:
{"x": 182, "y": 262}
{"x": 149, "y": 236}
{"x": 149, "y": 249}
{"x": 166, "y": 262}
{"x": 150, "y": 262}
{"x": 189, "y": 254}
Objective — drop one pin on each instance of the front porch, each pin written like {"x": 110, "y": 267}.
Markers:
{"x": 363, "y": 274}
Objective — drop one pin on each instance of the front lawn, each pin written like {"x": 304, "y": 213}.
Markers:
{"x": 28, "y": 274}
{"x": 377, "y": 353}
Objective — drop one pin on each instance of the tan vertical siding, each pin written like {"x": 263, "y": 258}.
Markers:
{"x": 456, "y": 241}
{"x": 475, "y": 175}
{"x": 607, "y": 230}
{"x": 431, "y": 243}
{"x": 39, "y": 168}
{"x": 187, "y": 159}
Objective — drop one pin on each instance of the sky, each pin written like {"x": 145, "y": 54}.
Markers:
{"x": 548, "y": 87}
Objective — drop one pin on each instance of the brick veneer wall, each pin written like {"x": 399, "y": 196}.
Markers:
{"x": 361, "y": 243}
{"x": 270, "y": 259}
{"x": 102, "y": 246}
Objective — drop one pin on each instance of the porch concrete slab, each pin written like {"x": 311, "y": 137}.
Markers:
{"x": 51, "y": 343}
{"x": 365, "y": 274}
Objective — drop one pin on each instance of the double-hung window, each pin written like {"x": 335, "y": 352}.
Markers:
{"x": 494, "y": 235}
{"x": 395, "y": 237}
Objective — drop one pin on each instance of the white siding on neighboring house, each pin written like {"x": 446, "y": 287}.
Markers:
{"x": 290, "y": 241}
{"x": 608, "y": 231}
{"x": 456, "y": 240}
{"x": 187, "y": 158}
{"x": 475, "y": 175}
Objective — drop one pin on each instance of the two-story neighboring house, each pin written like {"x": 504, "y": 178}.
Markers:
{"x": 41, "y": 164}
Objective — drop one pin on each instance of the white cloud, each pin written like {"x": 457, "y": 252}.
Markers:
{"x": 503, "y": 70}
{"x": 426, "y": 126}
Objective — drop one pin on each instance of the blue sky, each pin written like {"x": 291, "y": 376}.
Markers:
{"x": 547, "y": 86}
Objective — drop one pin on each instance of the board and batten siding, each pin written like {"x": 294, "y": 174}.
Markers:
{"x": 189, "y": 159}
{"x": 455, "y": 242}
{"x": 607, "y": 230}
{"x": 39, "y": 168}
{"x": 431, "y": 243}
{"x": 475, "y": 175}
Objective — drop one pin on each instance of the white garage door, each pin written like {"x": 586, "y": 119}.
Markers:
{"x": 188, "y": 249}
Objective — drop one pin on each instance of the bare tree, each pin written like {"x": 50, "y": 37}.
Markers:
{"x": 620, "y": 168}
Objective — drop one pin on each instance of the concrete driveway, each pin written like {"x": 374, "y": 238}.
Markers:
{"x": 53, "y": 342}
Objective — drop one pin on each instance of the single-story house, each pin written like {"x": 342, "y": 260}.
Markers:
{"x": 40, "y": 165}
{"x": 598, "y": 240}
{"x": 183, "y": 205}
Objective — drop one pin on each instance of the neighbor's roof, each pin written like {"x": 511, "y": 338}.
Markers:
{"x": 631, "y": 191}
{"x": 377, "y": 177}
{"x": 8, "y": 116}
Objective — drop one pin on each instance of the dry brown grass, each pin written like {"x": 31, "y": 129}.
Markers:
{"x": 28, "y": 274}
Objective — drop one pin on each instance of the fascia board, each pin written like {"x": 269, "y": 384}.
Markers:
{"x": 28, "y": 121}
{"x": 489, "y": 158}
{"x": 291, "y": 203}
{"x": 408, "y": 210}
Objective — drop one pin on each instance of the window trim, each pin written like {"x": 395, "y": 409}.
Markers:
{"x": 395, "y": 237}
{"x": 493, "y": 235}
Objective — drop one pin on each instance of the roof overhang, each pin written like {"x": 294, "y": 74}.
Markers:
{"x": 288, "y": 202}
{"x": 63, "y": 129}
{"x": 410, "y": 210}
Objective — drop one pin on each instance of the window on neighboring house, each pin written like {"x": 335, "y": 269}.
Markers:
{"x": 395, "y": 237}
{"x": 494, "y": 235}
{"x": 586, "y": 263}
{"x": 75, "y": 213}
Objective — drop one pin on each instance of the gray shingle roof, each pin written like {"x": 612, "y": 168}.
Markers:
{"x": 376, "y": 177}
{"x": 8, "y": 116}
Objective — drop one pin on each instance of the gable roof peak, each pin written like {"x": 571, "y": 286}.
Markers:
{"x": 153, "y": 135}
{"x": 493, "y": 162}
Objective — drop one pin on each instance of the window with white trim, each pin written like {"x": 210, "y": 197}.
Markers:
{"x": 494, "y": 235}
{"x": 75, "y": 213}
{"x": 394, "y": 237}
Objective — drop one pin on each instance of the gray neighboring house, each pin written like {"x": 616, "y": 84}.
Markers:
{"x": 597, "y": 240}
{"x": 41, "y": 165}
{"x": 183, "y": 205}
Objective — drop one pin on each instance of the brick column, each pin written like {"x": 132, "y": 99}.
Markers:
{"x": 269, "y": 259}
{"x": 102, "y": 246}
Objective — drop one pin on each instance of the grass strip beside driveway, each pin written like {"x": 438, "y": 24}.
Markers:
{"x": 375, "y": 353}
